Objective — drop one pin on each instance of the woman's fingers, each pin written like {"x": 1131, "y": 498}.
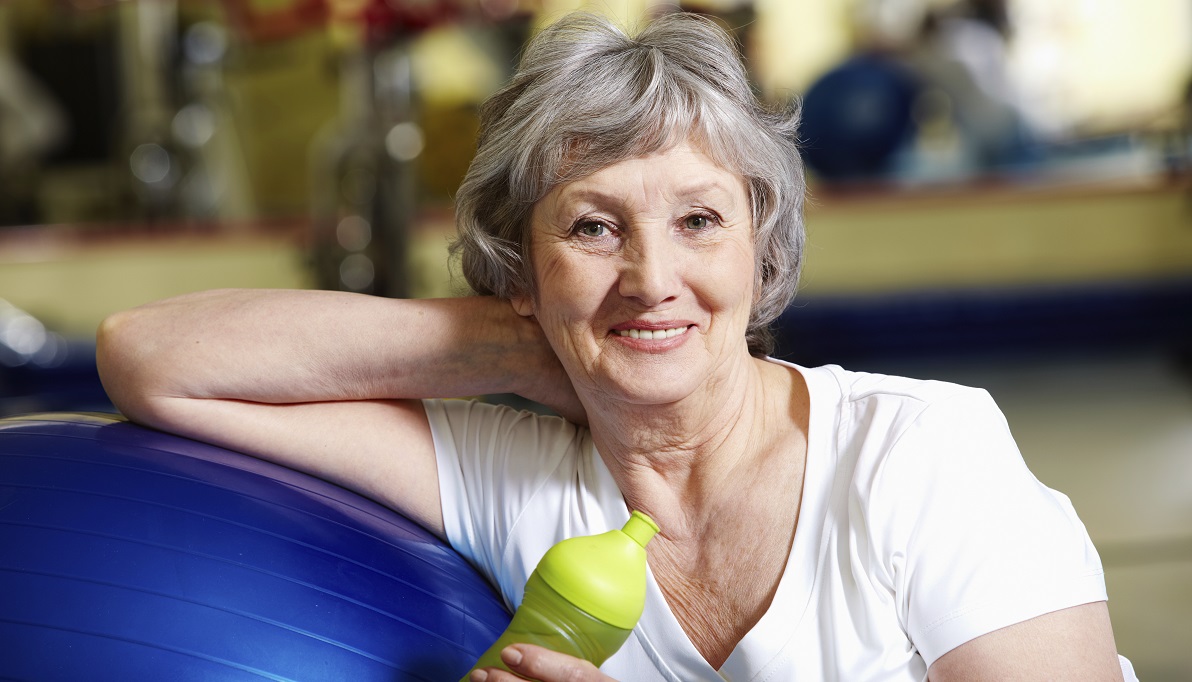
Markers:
{"x": 538, "y": 663}
{"x": 531, "y": 662}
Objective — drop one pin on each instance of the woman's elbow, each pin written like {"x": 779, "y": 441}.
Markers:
{"x": 123, "y": 368}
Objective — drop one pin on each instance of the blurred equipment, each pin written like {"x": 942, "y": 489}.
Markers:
{"x": 147, "y": 30}
{"x": 932, "y": 104}
{"x": 364, "y": 187}
{"x": 32, "y": 124}
{"x": 74, "y": 54}
{"x": 184, "y": 159}
{"x": 961, "y": 56}
{"x": 131, "y": 554}
{"x": 215, "y": 183}
{"x": 857, "y": 116}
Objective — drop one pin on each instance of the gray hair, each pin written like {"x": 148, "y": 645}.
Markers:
{"x": 585, "y": 96}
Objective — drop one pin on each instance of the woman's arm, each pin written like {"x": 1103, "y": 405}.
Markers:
{"x": 1073, "y": 644}
{"x": 325, "y": 382}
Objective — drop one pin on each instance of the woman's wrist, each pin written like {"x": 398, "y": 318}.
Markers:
{"x": 510, "y": 348}
{"x": 535, "y": 370}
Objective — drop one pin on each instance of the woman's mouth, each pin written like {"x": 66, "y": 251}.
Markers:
{"x": 653, "y": 333}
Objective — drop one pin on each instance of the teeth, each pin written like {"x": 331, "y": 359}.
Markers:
{"x": 655, "y": 334}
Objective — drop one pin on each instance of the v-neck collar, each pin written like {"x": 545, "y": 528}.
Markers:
{"x": 661, "y": 635}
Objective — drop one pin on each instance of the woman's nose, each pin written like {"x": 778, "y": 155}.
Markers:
{"x": 650, "y": 273}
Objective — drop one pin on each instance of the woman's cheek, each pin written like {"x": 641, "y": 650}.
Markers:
{"x": 574, "y": 282}
{"x": 730, "y": 279}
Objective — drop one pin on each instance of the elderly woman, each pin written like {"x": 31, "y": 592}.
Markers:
{"x": 632, "y": 223}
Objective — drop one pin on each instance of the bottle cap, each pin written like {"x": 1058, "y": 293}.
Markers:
{"x": 641, "y": 528}
{"x": 605, "y": 574}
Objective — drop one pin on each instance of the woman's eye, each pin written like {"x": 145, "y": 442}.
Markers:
{"x": 696, "y": 222}
{"x": 592, "y": 229}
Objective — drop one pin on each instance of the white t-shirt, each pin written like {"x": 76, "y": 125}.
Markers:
{"x": 920, "y": 528}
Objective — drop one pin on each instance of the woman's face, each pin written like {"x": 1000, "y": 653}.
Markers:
{"x": 645, "y": 275}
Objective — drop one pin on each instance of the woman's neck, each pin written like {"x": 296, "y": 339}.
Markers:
{"x": 686, "y": 462}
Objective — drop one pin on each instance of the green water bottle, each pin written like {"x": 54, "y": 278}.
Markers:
{"x": 585, "y": 596}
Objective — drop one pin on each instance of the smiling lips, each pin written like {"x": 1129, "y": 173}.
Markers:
{"x": 652, "y": 333}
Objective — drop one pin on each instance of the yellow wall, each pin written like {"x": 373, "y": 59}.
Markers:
{"x": 1008, "y": 237}
{"x": 797, "y": 41}
{"x": 72, "y": 288}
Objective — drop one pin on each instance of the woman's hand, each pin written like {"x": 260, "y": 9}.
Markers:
{"x": 545, "y": 380}
{"x": 531, "y": 662}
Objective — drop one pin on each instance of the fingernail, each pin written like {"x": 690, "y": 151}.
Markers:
{"x": 478, "y": 676}
{"x": 511, "y": 656}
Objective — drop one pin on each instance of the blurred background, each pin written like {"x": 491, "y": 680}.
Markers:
{"x": 1001, "y": 195}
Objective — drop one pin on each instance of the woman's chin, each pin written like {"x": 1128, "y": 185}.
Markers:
{"x": 651, "y": 383}
{"x": 642, "y": 404}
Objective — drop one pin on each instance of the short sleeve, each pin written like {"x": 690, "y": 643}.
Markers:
{"x": 492, "y": 460}
{"x": 970, "y": 540}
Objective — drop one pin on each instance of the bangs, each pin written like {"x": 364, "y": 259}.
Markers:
{"x": 627, "y": 105}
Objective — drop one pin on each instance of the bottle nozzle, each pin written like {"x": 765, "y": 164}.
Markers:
{"x": 640, "y": 527}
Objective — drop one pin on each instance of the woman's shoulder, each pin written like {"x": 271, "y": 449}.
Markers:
{"x": 856, "y": 386}
{"x": 879, "y": 430}
{"x": 861, "y": 392}
{"x": 900, "y": 440}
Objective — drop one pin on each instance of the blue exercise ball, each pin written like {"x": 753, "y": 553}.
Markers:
{"x": 130, "y": 554}
{"x": 856, "y": 117}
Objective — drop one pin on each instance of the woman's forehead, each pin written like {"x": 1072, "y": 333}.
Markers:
{"x": 681, "y": 171}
